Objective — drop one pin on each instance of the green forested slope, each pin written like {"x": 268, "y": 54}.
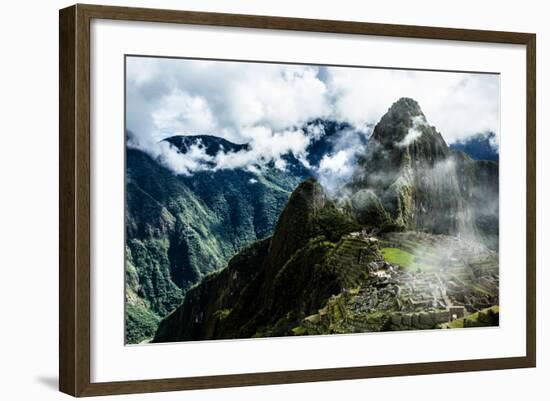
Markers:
{"x": 179, "y": 228}
{"x": 324, "y": 271}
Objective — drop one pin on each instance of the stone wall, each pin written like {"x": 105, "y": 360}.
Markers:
{"x": 419, "y": 320}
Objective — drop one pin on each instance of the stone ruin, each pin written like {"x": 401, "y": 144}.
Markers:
{"x": 395, "y": 298}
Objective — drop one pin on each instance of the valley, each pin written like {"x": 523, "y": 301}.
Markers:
{"x": 408, "y": 241}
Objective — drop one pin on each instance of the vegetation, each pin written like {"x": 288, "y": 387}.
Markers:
{"x": 180, "y": 228}
{"x": 309, "y": 258}
{"x": 398, "y": 256}
{"x": 485, "y": 317}
{"x": 141, "y": 323}
{"x": 231, "y": 254}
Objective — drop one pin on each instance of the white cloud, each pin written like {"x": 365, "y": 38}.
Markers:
{"x": 280, "y": 164}
{"x": 265, "y": 146}
{"x": 414, "y": 133}
{"x": 337, "y": 167}
{"x": 337, "y": 163}
{"x": 196, "y": 158}
{"x": 266, "y": 105}
{"x": 334, "y": 169}
{"x": 180, "y": 112}
{"x": 316, "y": 131}
{"x": 457, "y": 104}
{"x": 229, "y": 96}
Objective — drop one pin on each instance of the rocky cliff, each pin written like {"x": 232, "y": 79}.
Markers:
{"x": 409, "y": 179}
{"x": 268, "y": 288}
{"x": 401, "y": 248}
{"x": 180, "y": 228}
{"x": 333, "y": 276}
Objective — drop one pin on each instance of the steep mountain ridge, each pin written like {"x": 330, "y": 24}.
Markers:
{"x": 329, "y": 260}
{"x": 410, "y": 179}
{"x": 292, "y": 274}
{"x": 179, "y": 228}
{"x": 211, "y": 144}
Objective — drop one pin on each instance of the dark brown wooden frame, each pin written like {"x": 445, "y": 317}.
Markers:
{"x": 74, "y": 199}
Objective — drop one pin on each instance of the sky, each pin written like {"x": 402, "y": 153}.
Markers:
{"x": 268, "y": 105}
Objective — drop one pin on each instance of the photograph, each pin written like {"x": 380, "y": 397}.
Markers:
{"x": 264, "y": 200}
{"x": 267, "y": 199}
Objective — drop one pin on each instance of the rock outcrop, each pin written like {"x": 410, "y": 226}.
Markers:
{"x": 409, "y": 179}
{"x": 180, "y": 228}
{"x": 308, "y": 259}
{"x": 410, "y": 244}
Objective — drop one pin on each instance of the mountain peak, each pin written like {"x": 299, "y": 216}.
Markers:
{"x": 406, "y": 105}
{"x": 302, "y": 207}
{"x": 403, "y": 119}
{"x": 309, "y": 213}
{"x": 211, "y": 144}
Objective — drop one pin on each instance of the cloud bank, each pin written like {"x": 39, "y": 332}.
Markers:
{"x": 269, "y": 105}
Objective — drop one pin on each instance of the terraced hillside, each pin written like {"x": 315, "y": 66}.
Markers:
{"x": 180, "y": 228}
{"x": 321, "y": 273}
{"x": 424, "y": 281}
{"x": 409, "y": 179}
{"x": 410, "y": 242}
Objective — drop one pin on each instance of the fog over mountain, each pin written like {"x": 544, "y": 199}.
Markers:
{"x": 269, "y": 106}
{"x": 240, "y": 175}
{"x": 408, "y": 190}
{"x": 399, "y": 175}
{"x": 482, "y": 146}
{"x": 180, "y": 227}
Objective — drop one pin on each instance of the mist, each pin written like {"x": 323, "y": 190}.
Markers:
{"x": 268, "y": 105}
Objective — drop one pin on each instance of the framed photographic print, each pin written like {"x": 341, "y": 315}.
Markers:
{"x": 250, "y": 200}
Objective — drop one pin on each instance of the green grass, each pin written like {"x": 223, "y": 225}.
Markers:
{"x": 407, "y": 260}
{"x": 299, "y": 331}
{"x": 398, "y": 256}
{"x": 221, "y": 314}
{"x": 482, "y": 290}
{"x": 478, "y": 319}
{"x": 455, "y": 324}
{"x": 141, "y": 323}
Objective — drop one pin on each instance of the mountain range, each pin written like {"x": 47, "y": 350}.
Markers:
{"x": 180, "y": 228}
{"x": 479, "y": 147}
{"x": 232, "y": 253}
